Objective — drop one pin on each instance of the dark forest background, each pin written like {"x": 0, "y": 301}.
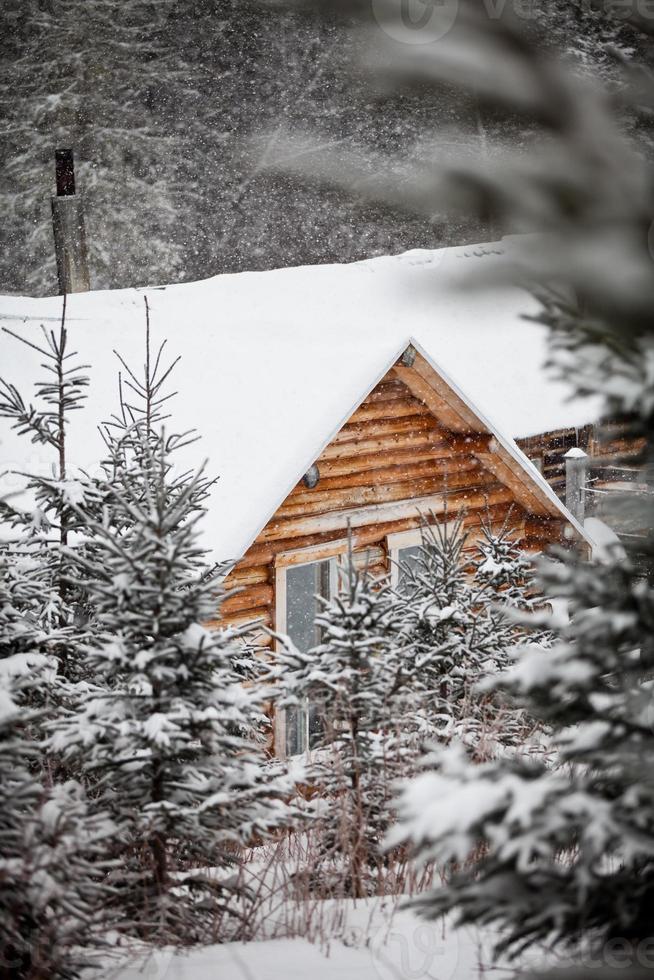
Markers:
{"x": 178, "y": 109}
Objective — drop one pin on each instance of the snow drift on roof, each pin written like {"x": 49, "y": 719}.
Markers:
{"x": 274, "y": 362}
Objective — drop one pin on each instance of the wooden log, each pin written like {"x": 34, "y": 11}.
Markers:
{"x": 518, "y": 481}
{"x": 441, "y": 458}
{"x": 349, "y": 497}
{"x": 424, "y": 439}
{"x": 387, "y": 475}
{"x": 270, "y": 551}
{"x": 389, "y": 389}
{"x": 422, "y": 391}
{"x": 469, "y": 419}
{"x": 553, "y": 435}
{"x": 434, "y": 439}
{"x": 242, "y": 576}
{"x": 537, "y": 545}
{"x": 243, "y": 618}
{"x": 546, "y": 527}
{"x": 385, "y": 512}
{"x": 255, "y": 596}
{"x": 378, "y": 428}
{"x": 329, "y": 549}
{"x": 472, "y": 442}
{"x": 617, "y": 452}
{"x": 399, "y": 408}
{"x": 427, "y": 386}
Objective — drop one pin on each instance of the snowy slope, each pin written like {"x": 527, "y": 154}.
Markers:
{"x": 274, "y": 362}
{"x": 371, "y": 948}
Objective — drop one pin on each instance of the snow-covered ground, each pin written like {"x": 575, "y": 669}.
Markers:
{"x": 373, "y": 945}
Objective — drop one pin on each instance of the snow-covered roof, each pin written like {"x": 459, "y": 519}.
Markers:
{"x": 274, "y": 362}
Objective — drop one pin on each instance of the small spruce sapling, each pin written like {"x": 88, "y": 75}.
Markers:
{"x": 354, "y": 681}
{"x": 172, "y": 740}
{"x": 565, "y": 850}
{"x": 456, "y": 604}
{"x": 443, "y": 625}
{"x": 40, "y": 537}
{"x": 53, "y": 848}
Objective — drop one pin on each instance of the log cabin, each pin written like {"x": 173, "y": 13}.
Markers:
{"x": 367, "y": 396}
{"x": 414, "y": 449}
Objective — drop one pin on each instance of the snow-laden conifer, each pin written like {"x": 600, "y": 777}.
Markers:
{"x": 456, "y": 605}
{"x": 40, "y": 523}
{"x": 170, "y": 738}
{"x": 504, "y": 576}
{"x": 355, "y": 683}
{"x": 53, "y": 847}
{"x": 564, "y": 850}
{"x": 437, "y": 615}
{"x": 500, "y": 561}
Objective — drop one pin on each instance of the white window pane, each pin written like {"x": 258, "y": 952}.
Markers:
{"x": 406, "y": 557}
{"x": 295, "y": 725}
{"x": 304, "y": 583}
{"x": 301, "y": 605}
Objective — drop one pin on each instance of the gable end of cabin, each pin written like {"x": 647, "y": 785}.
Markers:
{"x": 412, "y": 450}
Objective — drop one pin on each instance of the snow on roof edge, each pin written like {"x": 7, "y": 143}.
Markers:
{"x": 510, "y": 446}
{"x": 315, "y": 455}
{"x": 307, "y": 341}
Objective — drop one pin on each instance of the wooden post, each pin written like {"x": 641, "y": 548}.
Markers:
{"x": 575, "y": 482}
{"x": 68, "y": 228}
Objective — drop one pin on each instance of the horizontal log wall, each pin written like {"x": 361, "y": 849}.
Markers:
{"x": 390, "y": 462}
{"x": 608, "y": 444}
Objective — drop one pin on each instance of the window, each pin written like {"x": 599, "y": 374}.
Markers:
{"x": 403, "y": 549}
{"x": 299, "y": 585}
{"x": 299, "y": 588}
{"x": 303, "y": 584}
{"x": 405, "y": 557}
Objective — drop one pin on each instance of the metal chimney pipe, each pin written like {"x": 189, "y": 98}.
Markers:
{"x": 576, "y": 461}
{"x": 68, "y": 228}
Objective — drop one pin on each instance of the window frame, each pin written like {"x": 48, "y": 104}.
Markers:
{"x": 332, "y": 551}
{"x": 395, "y": 543}
{"x": 314, "y": 555}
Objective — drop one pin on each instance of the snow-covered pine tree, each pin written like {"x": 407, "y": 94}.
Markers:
{"x": 566, "y": 852}
{"x": 172, "y": 741}
{"x": 38, "y": 534}
{"x": 500, "y": 561}
{"x": 444, "y": 626}
{"x": 53, "y": 910}
{"x": 505, "y": 577}
{"x": 354, "y": 681}
{"x": 506, "y": 580}
{"x": 455, "y": 601}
